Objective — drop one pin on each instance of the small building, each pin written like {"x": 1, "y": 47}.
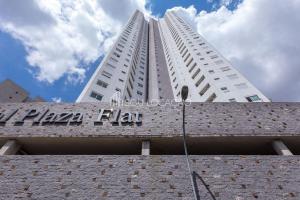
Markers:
{"x": 10, "y": 92}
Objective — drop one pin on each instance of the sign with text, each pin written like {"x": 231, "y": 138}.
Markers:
{"x": 115, "y": 117}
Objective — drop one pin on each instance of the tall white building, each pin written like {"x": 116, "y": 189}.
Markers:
{"x": 152, "y": 60}
{"x": 124, "y": 71}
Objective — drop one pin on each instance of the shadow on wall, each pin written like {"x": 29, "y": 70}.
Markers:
{"x": 202, "y": 190}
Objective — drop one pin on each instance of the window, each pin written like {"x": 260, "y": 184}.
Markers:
{"x": 106, "y": 74}
{"x": 174, "y": 79}
{"x": 196, "y": 73}
{"x": 200, "y": 80}
{"x": 123, "y": 72}
{"x": 139, "y": 93}
{"x": 182, "y": 49}
{"x": 132, "y": 77}
{"x": 110, "y": 65}
{"x": 102, "y": 84}
{"x": 113, "y": 59}
{"x": 184, "y": 53}
{"x": 216, "y": 78}
{"x": 253, "y": 98}
{"x": 224, "y": 89}
{"x": 130, "y": 83}
{"x": 187, "y": 57}
{"x": 241, "y": 86}
{"x": 129, "y": 93}
{"x": 192, "y": 67}
{"x": 211, "y": 98}
{"x": 214, "y": 57}
{"x": 118, "y": 89}
{"x": 141, "y": 78}
{"x": 97, "y": 96}
{"x": 211, "y": 71}
{"x": 232, "y": 100}
{"x": 120, "y": 45}
{"x": 121, "y": 80}
{"x": 206, "y": 87}
{"x": 232, "y": 76}
{"x": 224, "y": 69}
{"x": 140, "y": 85}
{"x": 190, "y": 61}
{"x": 119, "y": 50}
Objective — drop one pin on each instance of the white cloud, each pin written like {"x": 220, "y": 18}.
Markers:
{"x": 62, "y": 37}
{"x": 225, "y": 2}
{"x": 57, "y": 99}
{"x": 218, "y": 3}
{"x": 261, "y": 39}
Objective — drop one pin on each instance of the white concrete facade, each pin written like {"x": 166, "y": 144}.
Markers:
{"x": 194, "y": 62}
{"x": 123, "y": 71}
{"x": 154, "y": 60}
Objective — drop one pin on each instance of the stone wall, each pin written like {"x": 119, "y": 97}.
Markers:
{"x": 149, "y": 177}
{"x": 204, "y": 119}
{"x": 237, "y": 177}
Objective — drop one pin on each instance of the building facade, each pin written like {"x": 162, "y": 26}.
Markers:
{"x": 10, "y": 92}
{"x": 192, "y": 61}
{"x": 123, "y": 72}
{"x": 238, "y": 151}
{"x": 152, "y": 60}
{"x": 99, "y": 150}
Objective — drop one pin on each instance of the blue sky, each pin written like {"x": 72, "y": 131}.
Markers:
{"x": 14, "y": 66}
{"x": 32, "y": 63}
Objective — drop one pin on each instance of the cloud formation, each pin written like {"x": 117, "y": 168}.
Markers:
{"x": 57, "y": 99}
{"x": 62, "y": 37}
{"x": 261, "y": 39}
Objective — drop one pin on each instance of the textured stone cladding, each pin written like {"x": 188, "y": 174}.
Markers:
{"x": 149, "y": 177}
{"x": 155, "y": 176}
{"x": 204, "y": 119}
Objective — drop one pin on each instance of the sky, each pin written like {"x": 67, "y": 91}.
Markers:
{"x": 51, "y": 48}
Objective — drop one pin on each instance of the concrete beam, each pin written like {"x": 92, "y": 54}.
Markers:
{"x": 11, "y": 147}
{"x": 146, "y": 147}
{"x": 281, "y": 148}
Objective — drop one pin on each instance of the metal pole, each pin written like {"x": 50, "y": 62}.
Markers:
{"x": 186, "y": 152}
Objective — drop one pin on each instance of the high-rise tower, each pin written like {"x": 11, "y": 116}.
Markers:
{"x": 152, "y": 60}
{"x": 124, "y": 70}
